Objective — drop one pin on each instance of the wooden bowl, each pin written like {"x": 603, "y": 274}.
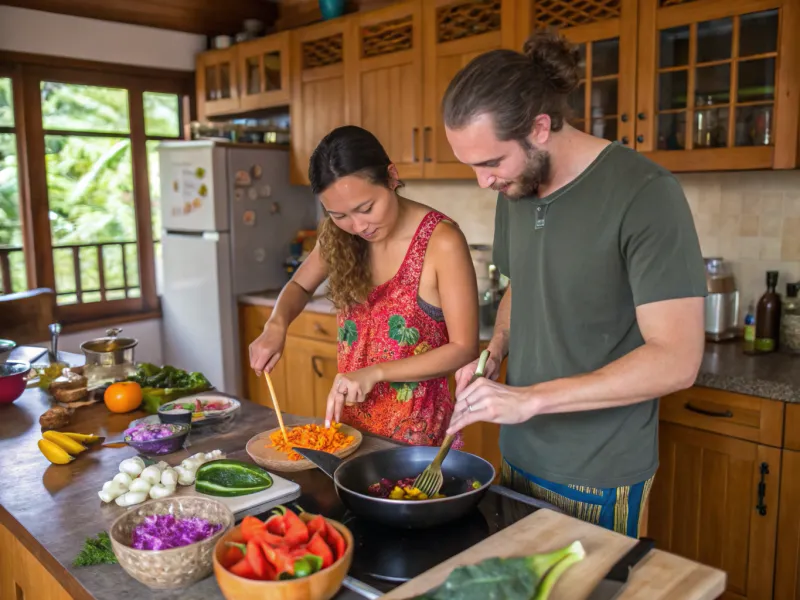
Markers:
{"x": 175, "y": 567}
{"x": 322, "y": 585}
{"x": 272, "y": 459}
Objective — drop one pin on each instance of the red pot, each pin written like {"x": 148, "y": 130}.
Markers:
{"x": 13, "y": 376}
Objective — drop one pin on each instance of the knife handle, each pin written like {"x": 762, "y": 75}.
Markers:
{"x": 621, "y": 570}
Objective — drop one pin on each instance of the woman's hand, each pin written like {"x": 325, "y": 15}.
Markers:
{"x": 266, "y": 349}
{"x": 350, "y": 389}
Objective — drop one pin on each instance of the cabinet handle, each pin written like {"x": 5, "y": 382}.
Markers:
{"x": 625, "y": 140}
{"x": 425, "y": 136}
{"x": 414, "y": 133}
{"x": 624, "y": 117}
{"x": 314, "y": 366}
{"x": 640, "y": 138}
{"x": 709, "y": 413}
{"x": 762, "y": 489}
{"x": 641, "y": 116}
{"x": 320, "y": 329}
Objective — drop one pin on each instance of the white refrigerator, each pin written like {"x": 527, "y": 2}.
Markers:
{"x": 229, "y": 215}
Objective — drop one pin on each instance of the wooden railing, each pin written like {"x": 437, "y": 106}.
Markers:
{"x": 84, "y": 273}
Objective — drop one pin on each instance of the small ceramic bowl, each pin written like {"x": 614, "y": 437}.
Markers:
{"x": 165, "y": 445}
{"x": 176, "y": 567}
{"x": 322, "y": 585}
{"x": 174, "y": 414}
{"x": 13, "y": 377}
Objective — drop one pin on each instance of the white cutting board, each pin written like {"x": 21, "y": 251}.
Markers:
{"x": 281, "y": 491}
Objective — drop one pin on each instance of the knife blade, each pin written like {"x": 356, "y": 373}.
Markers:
{"x": 612, "y": 585}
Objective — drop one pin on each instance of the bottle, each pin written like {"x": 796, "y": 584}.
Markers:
{"x": 768, "y": 316}
{"x": 790, "y": 320}
{"x": 749, "y": 345}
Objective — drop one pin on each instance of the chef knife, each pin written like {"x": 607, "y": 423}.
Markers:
{"x": 615, "y": 580}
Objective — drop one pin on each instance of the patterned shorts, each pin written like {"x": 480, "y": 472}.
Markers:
{"x": 618, "y": 509}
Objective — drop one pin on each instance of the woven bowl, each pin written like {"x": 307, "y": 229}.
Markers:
{"x": 176, "y": 567}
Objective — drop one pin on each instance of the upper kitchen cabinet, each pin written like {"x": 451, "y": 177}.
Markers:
{"x": 605, "y": 32}
{"x": 718, "y": 83}
{"x": 387, "y": 84}
{"x": 263, "y": 66}
{"x": 455, "y": 32}
{"x": 321, "y": 55}
{"x": 217, "y": 83}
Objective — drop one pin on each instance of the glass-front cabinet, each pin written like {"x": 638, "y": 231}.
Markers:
{"x": 264, "y": 69}
{"x": 217, "y": 82}
{"x": 605, "y": 32}
{"x": 718, "y": 84}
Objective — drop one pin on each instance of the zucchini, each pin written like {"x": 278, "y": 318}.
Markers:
{"x": 227, "y": 477}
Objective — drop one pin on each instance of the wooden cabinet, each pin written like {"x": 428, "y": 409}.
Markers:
{"x": 715, "y": 500}
{"x": 455, "y": 32}
{"x": 787, "y": 570}
{"x": 718, "y": 83}
{"x": 217, "y": 83}
{"x": 386, "y": 87}
{"x": 263, "y": 68}
{"x": 321, "y": 98}
{"x": 252, "y": 320}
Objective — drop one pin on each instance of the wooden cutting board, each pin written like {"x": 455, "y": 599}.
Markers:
{"x": 659, "y": 576}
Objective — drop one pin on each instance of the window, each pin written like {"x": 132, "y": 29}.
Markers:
{"x": 13, "y": 277}
{"x": 91, "y": 163}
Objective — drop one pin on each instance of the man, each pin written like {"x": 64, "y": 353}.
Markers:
{"x": 604, "y": 313}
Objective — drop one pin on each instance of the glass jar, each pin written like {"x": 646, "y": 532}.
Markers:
{"x": 790, "y": 320}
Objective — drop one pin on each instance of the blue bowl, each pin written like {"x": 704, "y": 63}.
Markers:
{"x": 331, "y": 9}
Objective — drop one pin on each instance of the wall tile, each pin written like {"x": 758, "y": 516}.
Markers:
{"x": 748, "y": 226}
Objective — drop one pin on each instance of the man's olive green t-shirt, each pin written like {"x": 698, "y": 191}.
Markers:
{"x": 580, "y": 261}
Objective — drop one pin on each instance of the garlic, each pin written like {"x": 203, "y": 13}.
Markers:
{"x": 151, "y": 475}
{"x": 140, "y": 485}
{"x": 169, "y": 476}
{"x": 123, "y": 479}
{"x": 131, "y": 498}
{"x": 132, "y": 466}
{"x": 161, "y": 491}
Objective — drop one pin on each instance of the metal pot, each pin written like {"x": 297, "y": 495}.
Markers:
{"x": 111, "y": 350}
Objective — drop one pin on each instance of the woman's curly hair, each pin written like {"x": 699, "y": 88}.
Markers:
{"x": 347, "y": 150}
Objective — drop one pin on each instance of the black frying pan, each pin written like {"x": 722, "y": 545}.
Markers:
{"x": 352, "y": 478}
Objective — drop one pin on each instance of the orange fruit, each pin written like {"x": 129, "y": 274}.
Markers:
{"x": 123, "y": 396}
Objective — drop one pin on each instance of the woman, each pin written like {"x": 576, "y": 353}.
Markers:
{"x": 401, "y": 279}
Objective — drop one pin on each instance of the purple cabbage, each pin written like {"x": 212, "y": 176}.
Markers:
{"x": 146, "y": 432}
{"x": 162, "y": 532}
{"x": 384, "y": 486}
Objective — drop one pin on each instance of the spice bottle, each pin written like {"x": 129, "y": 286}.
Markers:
{"x": 768, "y": 317}
{"x": 790, "y": 320}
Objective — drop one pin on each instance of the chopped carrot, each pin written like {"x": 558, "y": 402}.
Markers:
{"x": 311, "y": 436}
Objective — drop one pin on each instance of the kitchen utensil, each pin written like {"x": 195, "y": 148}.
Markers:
{"x": 353, "y": 477}
{"x": 280, "y": 492}
{"x": 204, "y": 416}
{"x": 429, "y": 482}
{"x": 277, "y": 407}
{"x": 615, "y": 580}
{"x": 7, "y": 346}
{"x": 260, "y": 449}
{"x": 13, "y": 376}
{"x": 110, "y": 350}
{"x": 176, "y": 567}
{"x": 55, "y": 331}
{"x": 322, "y": 585}
{"x": 362, "y": 589}
{"x": 721, "y": 302}
{"x": 664, "y": 576}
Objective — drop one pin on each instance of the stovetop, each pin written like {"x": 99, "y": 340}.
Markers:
{"x": 386, "y": 557}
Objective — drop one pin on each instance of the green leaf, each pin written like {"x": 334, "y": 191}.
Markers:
{"x": 410, "y": 337}
{"x": 404, "y": 389}
{"x": 348, "y": 333}
{"x": 397, "y": 325}
{"x": 96, "y": 551}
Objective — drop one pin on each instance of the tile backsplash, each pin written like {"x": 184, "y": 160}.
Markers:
{"x": 751, "y": 219}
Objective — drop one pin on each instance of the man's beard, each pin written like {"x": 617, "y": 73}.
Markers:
{"x": 535, "y": 173}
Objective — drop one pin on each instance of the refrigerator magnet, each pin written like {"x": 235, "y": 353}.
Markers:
{"x": 265, "y": 191}
{"x": 197, "y": 203}
{"x": 238, "y": 194}
{"x": 256, "y": 171}
{"x": 260, "y": 254}
{"x": 199, "y": 172}
{"x": 249, "y": 218}
{"x": 203, "y": 190}
{"x": 252, "y": 193}
{"x": 242, "y": 178}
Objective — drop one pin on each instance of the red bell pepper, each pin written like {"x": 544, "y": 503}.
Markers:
{"x": 257, "y": 559}
{"x": 280, "y": 557}
{"x": 243, "y": 568}
{"x": 295, "y": 531}
{"x": 335, "y": 540}
{"x": 234, "y": 554}
{"x": 316, "y": 524}
{"x": 317, "y": 545}
{"x": 251, "y": 527}
{"x": 276, "y": 525}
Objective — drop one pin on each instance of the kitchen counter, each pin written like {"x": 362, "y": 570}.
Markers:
{"x": 775, "y": 376}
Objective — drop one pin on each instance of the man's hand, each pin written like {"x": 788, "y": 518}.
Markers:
{"x": 491, "y": 402}
{"x": 490, "y": 371}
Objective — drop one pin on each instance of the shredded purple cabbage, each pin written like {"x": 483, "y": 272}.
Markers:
{"x": 161, "y": 532}
{"x": 147, "y": 432}
{"x": 384, "y": 486}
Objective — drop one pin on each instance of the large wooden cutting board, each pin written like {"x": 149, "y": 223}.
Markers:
{"x": 659, "y": 576}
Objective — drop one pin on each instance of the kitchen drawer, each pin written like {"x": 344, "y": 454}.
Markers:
{"x": 316, "y": 326}
{"x": 792, "y": 439}
{"x": 736, "y": 415}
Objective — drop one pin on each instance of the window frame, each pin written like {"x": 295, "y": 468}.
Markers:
{"x": 27, "y": 72}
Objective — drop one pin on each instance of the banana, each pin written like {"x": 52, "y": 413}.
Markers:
{"x": 86, "y": 438}
{"x": 65, "y": 442}
{"x": 55, "y": 454}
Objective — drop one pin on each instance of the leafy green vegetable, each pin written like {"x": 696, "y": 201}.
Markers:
{"x": 518, "y": 578}
{"x": 164, "y": 384}
{"x": 96, "y": 551}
